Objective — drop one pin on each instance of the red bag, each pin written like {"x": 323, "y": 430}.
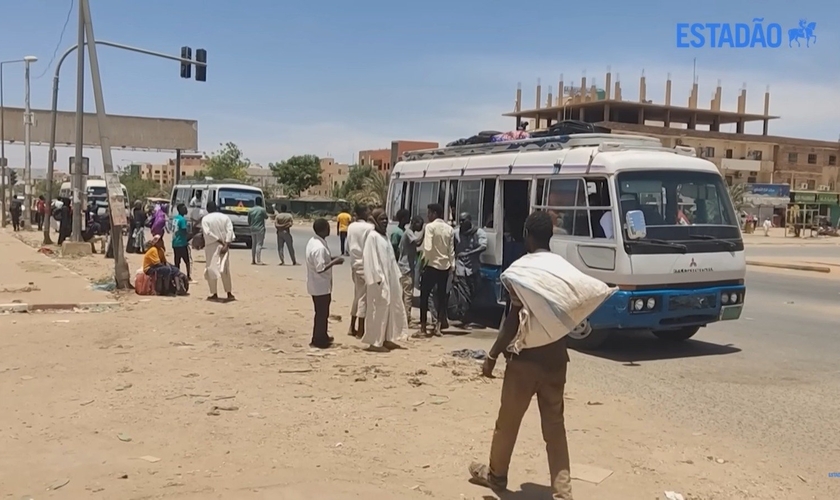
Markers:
{"x": 144, "y": 284}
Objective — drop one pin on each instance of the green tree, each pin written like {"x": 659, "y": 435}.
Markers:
{"x": 227, "y": 163}
{"x": 298, "y": 173}
{"x": 139, "y": 188}
{"x": 41, "y": 188}
{"x": 736, "y": 194}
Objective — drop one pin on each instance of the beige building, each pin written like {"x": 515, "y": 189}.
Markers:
{"x": 264, "y": 178}
{"x": 384, "y": 159}
{"x": 333, "y": 176}
{"x": 164, "y": 174}
{"x": 803, "y": 164}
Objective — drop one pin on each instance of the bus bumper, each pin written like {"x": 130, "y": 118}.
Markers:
{"x": 672, "y": 309}
{"x": 242, "y": 233}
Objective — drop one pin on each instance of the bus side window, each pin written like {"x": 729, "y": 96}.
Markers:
{"x": 488, "y": 203}
{"x": 600, "y": 210}
{"x": 453, "y": 202}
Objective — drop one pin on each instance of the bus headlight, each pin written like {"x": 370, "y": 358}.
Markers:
{"x": 638, "y": 304}
{"x": 733, "y": 298}
{"x": 651, "y": 302}
{"x": 724, "y": 298}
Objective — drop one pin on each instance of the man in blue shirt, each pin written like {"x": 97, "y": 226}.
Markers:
{"x": 181, "y": 240}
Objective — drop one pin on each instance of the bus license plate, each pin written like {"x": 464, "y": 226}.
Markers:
{"x": 730, "y": 312}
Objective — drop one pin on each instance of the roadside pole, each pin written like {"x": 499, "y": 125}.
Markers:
{"x": 78, "y": 182}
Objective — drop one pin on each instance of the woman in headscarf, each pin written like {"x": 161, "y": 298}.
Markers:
{"x": 158, "y": 221}
{"x": 65, "y": 226}
{"x": 136, "y": 235}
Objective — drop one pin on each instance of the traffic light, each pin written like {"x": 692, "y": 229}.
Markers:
{"x": 186, "y": 68}
{"x": 12, "y": 177}
{"x": 200, "y": 69}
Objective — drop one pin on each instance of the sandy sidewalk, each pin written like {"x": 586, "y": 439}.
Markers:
{"x": 121, "y": 405}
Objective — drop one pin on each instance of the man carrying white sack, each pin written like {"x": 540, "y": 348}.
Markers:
{"x": 548, "y": 298}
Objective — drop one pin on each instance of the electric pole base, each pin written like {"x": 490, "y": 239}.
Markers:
{"x": 76, "y": 249}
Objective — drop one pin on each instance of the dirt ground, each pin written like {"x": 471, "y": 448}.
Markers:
{"x": 183, "y": 399}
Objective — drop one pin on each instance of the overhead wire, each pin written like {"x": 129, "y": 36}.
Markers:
{"x": 60, "y": 39}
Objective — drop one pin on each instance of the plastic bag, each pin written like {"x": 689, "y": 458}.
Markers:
{"x": 460, "y": 298}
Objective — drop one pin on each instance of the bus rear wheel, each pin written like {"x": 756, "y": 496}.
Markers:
{"x": 680, "y": 335}
{"x": 584, "y": 338}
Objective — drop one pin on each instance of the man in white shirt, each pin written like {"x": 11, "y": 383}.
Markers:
{"x": 439, "y": 262}
{"x": 319, "y": 264}
{"x": 357, "y": 233}
{"x": 218, "y": 235}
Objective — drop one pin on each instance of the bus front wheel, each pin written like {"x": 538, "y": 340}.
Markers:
{"x": 584, "y": 338}
{"x": 680, "y": 335}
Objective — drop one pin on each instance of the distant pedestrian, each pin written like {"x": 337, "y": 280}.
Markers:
{"x": 256, "y": 222}
{"x": 158, "y": 221}
{"x": 470, "y": 243}
{"x": 319, "y": 264}
{"x": 283, "y": 222}
{"x": 65, "y": 220}
{"x": 15, "y": 209}
{"x": 181, "y": 240}
{"x": 218, "y": 235}
{"x": 382, "y": 278}
{"x": 40, "y": 211}
{"x": 357, "y": 234}
{"x": 343, "y": 222}
{"x": 539, "y": 371}
{"x": 137, "y": 233}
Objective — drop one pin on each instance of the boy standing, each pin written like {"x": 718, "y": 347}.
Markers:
{"x": 319, "y": 264}
{"x": 181, "y": 240}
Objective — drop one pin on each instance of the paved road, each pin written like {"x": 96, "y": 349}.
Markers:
{"x": 771, "y": 377}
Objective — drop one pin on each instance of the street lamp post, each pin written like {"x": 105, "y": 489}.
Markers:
{"x": 27, "y": 145}
{"x": 3, "y": 162}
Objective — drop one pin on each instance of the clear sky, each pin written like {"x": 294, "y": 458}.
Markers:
{"x": 334, "y": 77}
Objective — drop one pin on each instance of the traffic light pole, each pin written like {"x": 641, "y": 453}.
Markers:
{"x": 54, "y": 109}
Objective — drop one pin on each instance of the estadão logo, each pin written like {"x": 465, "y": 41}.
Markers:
{"x": 742, "y": 35}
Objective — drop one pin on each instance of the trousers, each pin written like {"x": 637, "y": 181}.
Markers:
{"x": 320, "y": 337}
{"x": 433, "y": 279}
{"x": 524, "y": 379}
{"x": 285, "y": 238}
{"x": 257, "y": 244}
{"x": 407, "y": 283}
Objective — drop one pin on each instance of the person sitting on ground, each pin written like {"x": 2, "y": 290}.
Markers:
{"x": 154, "y": 264}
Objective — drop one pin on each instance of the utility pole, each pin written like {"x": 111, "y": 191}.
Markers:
{"x": 27, "y": 145}
{"x": 116, "y": 198}
{"x": 78, "y": 182}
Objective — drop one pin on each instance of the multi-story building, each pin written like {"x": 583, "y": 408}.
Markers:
{"x": 265, "y": 179}
{"x": 333, "y": 176}
{"x": 164, "y": 174}
{"x": 809, "y": 168}
{"x": 384, "y": 159}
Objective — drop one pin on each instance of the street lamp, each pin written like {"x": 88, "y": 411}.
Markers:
{"x": 27, "y": 144}
{"x": 3, "y": 144}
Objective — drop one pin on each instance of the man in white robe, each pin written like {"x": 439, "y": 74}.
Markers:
{"x": 386, "y": 317}
{"x": 218, "y": 235}
{"x": 357, "y": 234}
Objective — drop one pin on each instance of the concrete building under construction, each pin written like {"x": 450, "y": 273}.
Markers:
{"x": 808, "y": 167}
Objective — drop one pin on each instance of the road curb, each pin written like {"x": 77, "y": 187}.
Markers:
{"x": 794, "y": 267}
{"x": 79, "y": 307}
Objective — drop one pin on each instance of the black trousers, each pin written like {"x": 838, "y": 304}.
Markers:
{"x": 320, "y": 337}
{"x": 15, "y": 221}
{"x": 433, "y": 279}
{"x": 182, "y": 254}
{"x": 342, "y": 235}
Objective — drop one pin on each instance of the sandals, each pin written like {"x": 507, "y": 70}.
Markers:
{"x": 480, "y": 474}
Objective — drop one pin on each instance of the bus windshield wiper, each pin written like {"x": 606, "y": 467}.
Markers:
{"x": 707, "y": 237}
{"x": 648, "y": 241}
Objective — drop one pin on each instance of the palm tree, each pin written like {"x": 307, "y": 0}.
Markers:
{"x": 736, "y": 194}
{"x": 373, "y": 191}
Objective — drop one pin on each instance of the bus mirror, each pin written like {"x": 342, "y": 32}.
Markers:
{"x": 636, "y": 228}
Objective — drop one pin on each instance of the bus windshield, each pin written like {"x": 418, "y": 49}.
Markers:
{"x": 232, "y": 200}
{"x": 679, "y": 205}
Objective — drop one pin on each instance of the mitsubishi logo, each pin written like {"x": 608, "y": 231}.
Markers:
{"x": 693, "y": 264}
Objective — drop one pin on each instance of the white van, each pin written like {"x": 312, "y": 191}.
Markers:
{"x": 232, "y": 197}
{"x": 95, "y": 191}
{"x": 679, "y": 265}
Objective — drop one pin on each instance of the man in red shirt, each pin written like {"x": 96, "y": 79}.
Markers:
{"x": 40, "y": 212}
